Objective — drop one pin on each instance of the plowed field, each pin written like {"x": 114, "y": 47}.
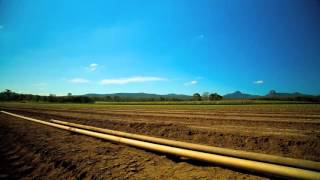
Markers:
{"x": 30, "y": 150}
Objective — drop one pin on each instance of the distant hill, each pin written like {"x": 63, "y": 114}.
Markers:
{"x": 141, "y": 95}
{"x": 235, "y": 95}
{"x": 274, "y": 94}
{"x": 239, "y": 95}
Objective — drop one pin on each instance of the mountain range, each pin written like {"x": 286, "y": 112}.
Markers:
{"x": 142, "y": 95}
{"x": 235, "y": 95}
{"x": 239, "y": 95}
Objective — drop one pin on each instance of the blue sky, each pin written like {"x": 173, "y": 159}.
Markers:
{"x": 167, "y": 46}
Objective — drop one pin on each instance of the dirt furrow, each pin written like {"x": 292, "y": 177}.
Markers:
{"x": 33, "y": 151}
{"x": 194, "y": 113}
{"x": 303, "y": 144}
{"x": 310, "y": 125}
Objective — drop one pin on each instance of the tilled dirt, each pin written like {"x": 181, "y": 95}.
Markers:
{"x": 53, "y": 153}
{"x": 33, "y": 151}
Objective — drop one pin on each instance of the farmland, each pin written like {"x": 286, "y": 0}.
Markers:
{"x": 37, "y": 151}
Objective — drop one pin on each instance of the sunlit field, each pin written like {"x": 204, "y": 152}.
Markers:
{"x": 161, "y": 89}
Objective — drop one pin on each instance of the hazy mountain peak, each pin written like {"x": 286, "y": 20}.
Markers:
{"x": 239, "y": 95}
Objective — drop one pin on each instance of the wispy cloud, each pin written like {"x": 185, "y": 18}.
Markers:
{"x": 92, "y": 67}
{"x": 258, "y": 82}
{"x": 1, "y": 27}
{"x": 190, "y": 83}
{"x": 135, "y": 79}
{"x": 200, "y": 36}
{"x": 79, "y": 81}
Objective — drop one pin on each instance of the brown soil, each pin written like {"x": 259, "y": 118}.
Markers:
{"x": 35, "y": 151}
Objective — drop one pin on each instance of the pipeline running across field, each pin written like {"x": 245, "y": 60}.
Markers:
{"x": 300, "y": 163}
{"x": 224, "y": 160}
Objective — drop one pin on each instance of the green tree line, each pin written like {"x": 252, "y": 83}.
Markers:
{"x": 313, "y": 99}
{"x": 9, "y": 95}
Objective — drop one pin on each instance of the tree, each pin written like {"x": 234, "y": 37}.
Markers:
{"x": 35, "y": 98}
{"x": 196, "y": 97}
{"x": 214, "y": 97}
{"x": 107, "y": 98}
{"x": 52, "y": 98}
{"x": 9, "y": 95}
{"x": 205, "y": 96}
{"x": 116, "y": 98}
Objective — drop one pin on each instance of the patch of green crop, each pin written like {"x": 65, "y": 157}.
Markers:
{"x": 223, "y": 105}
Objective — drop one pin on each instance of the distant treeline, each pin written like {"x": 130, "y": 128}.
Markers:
{"x": 195, "y": 97}
{"x": 130, "y": 99}
{"x": 315, "y": 99}
{"x": 8, "y": 95}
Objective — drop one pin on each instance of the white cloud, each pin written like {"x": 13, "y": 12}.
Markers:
{"x": 79, "y": 81}
{"x": 134, "y": 79}
{"x": 92, "y": 67}
{"x": 258, "y": 82}
{"x": 190, "y": 83}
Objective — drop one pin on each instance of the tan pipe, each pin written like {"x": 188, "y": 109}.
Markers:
{"x": 300, "y": 163}
{"x": 266, "y": 168}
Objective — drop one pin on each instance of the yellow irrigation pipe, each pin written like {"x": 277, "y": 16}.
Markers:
{"x": 265, "y": 168}
{"x": 300, "y": 163}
